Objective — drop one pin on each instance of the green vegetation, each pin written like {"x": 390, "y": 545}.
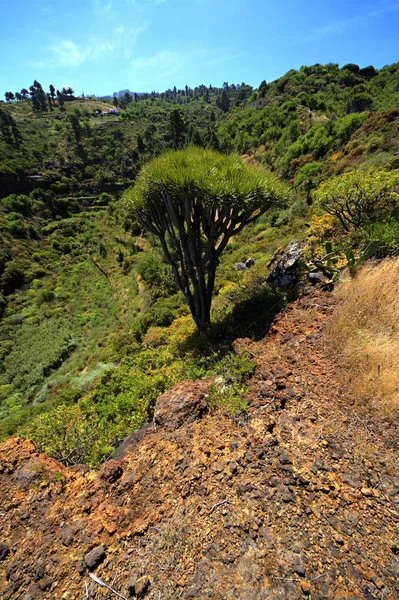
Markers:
{"x": 93, "y": 326}
{"x": 360, "y": 198}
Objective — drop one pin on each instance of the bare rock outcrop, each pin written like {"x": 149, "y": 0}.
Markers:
{"x": 184, "y": 403}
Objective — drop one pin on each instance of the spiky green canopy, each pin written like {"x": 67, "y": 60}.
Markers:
{"x": 213, "y": 179}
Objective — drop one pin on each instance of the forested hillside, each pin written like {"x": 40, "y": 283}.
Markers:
{"x": 93, "y": 327}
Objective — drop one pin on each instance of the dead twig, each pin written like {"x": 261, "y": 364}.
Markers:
{"x": 114, "y": 579}
{"x": 319, "y": 437}
{"x": 225, "y": 501}
{"x": 160, "y": 567}
{"x": 157, "y": 529}
{"x": 318, "y": 577}
{"x": 87, "y": 589}
{"x": 103, "y": 584}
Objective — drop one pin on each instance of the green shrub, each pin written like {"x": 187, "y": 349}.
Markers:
{"x": 358, "y": 198}
{"x": 156, "y": 275}
{"x": 45, "y": 296}
{"x": 104, "y": 199}
{"x": 229, "y": 397}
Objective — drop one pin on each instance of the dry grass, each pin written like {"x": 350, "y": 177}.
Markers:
{"x": 365, "y": 335}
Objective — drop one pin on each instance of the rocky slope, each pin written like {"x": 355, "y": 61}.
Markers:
{"x": 298, "y": 499}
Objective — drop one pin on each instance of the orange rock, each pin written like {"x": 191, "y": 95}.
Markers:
{"x": 305, "y": 587}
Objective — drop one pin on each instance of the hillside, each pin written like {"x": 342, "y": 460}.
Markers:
{"x": 92, "y": 324}
{"x": 297, "y": 499}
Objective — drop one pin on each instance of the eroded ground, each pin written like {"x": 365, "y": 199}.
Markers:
{"x": 298, "y": 499}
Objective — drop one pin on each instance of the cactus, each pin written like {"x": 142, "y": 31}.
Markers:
{"x": 328, "y": 263}
{"x": 354, "y": 261}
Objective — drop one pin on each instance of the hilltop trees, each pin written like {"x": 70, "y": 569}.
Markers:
{"x": 177, "y": 129}
{"x": 193, "y": 201}
{"x": 9, "y": 129}
{"x": 263, "y": 89}
{"x": 223, "y": 101}
{"x": 38, "y": 97}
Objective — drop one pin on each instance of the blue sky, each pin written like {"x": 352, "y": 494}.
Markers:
{"x": 103, "y": 46}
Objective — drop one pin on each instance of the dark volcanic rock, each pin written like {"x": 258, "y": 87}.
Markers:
{"x": 95, "y": 557}
{"x": 285, "y": 269}
{"x": 4, "y": 551}
{"x": 111, "y": 471}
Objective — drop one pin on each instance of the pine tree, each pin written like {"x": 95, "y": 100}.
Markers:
{"x": 177, "y": 128}
{"x": 263, "y": 89}
{"x": 60, "y": 100}
{"x": 223, "y": 101}
{"x": 38, "y": 97}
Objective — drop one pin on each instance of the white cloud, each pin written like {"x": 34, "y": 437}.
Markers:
{"x": 66, "y": 54}
{"x": 166, "y": 63}
{"x": 126, "y": 38}
{"x": 69, "y": 54}
{"x": 340, "y": 27}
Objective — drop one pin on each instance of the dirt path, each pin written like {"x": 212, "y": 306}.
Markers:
{"x": 298, "y": 499}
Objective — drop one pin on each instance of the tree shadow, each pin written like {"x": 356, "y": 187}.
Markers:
{"x": 251, "y": 318}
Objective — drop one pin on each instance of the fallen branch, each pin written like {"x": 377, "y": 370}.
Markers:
{"x": 97, "y": 580}
{"x": 225, "y": 501}
{"x": 285, "y": 579}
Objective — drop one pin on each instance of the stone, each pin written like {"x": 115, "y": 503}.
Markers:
{"x": 217, "y": 467}
{"x": 285, "y": 270}
{"x": 232, "y": 467}
{"x": 131, "y": 584}
{"x": 298, "y": 566}
{"x": 305, "y": 587}
{"x": 240, "y": 266}
{"x": 95, "y": 557}
{"x": 111, "y": 471}
{"x": 141, "y": 586}
{"x": 270, "y": 441}
{"x": 316, "y": 278}
{"x": 181, "y": 404}
{"x": 4, "y": 551}
{"x": 287, "y": 496}
{"x": 353, "y": 518}
{"x": 45, "y": 583}
{"x": 284, "y": 458}
{"x": 249, "y": 262}
{"x": 243, "y": 347}
{"x": 130, "y": 442}
{"x": 227, "y": 559}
